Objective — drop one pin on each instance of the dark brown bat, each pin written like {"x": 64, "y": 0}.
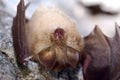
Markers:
{"x": 102, "y": 56}
{"x": 48, "y": 37}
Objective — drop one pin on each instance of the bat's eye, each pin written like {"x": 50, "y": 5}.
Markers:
{"x": 47, "y": 58}
{"x": 59, "y": 34}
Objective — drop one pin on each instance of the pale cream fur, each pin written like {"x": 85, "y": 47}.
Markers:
{"x": 42, "y": 25}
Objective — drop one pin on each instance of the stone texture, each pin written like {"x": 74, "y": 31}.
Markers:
{"x": 7, "y": 69}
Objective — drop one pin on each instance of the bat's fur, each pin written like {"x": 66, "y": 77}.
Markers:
{"x": 51, "y": 37}
{"x": 40, "y": 36}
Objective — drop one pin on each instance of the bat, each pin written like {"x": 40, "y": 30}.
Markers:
{"x": 47, "y": 37}
{"x": 52, "y": 39}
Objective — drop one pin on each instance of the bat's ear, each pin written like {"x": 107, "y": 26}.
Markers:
{"x": 97, "y": 55}
{"x": 19, "y": 37}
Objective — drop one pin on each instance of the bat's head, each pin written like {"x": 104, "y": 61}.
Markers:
{"x": 53, "y": 39}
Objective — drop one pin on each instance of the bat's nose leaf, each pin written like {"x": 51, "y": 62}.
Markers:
{"x": 73, "y": 57}
{"x": 59, "y": 34}
{"x": 47, "y": 58}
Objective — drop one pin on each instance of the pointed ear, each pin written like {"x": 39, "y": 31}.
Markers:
{"x": 18, "y": 35}
{"x": 97, "y": 55}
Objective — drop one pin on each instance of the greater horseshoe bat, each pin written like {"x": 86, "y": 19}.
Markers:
{"x": 49, "y": 36}
{"x": 53, "y": 40}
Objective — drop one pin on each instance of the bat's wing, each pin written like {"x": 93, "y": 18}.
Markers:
{"x": 18, "y": 34}
{"x": 97, "y": 58}
{"x": 102, "y": 56}
{"x": 114, "y": 44}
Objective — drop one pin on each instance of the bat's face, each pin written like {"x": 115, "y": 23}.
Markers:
{"x": 53, "y": 39}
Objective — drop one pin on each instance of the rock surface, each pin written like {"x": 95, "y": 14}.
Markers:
{"x": 7, "y": 69}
